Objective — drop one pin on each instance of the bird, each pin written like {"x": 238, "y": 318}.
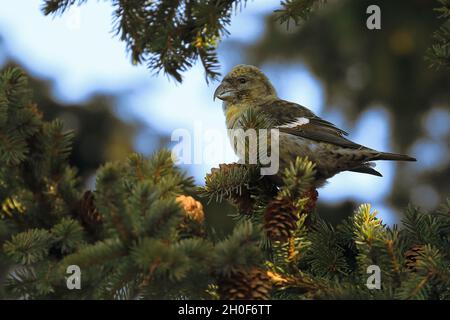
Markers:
{"x": 301, "y": 132}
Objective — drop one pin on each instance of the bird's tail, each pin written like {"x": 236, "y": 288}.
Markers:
{"x": 393, "y": 156}
{"x": 366, "y": 168}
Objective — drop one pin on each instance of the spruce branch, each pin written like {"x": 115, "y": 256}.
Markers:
{"x": 92, "y": 255}
{"x": 297, "y": 10}
{"x": 425, "y": 228}
{"x": 438, "y": 55}
{"x": 369, "y": 236}
{"x": 141, "y": 233}
{"x": 59, "y": 6}
{"x": 168, "y": 36}
{"x": 325, "y": 255}
{"x": 28, "y": 247}
{"x": 240, "y": 250}
{"x": 67, "y": 235}
{"x": 229, "y": 180}
{"x": 22, "y": 283}
{"x": 297, "y": 178}
{"x": 120, "y": 282}
{"x": 163, "y": 217}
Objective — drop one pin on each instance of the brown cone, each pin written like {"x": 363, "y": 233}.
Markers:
{"x": 253, "y": 284}
{"x": 280, "y": 220}
{"x": 310, "y": 205}
{"x": 192, "y": 224}
{"x": 88, "y": 213}
{"x": 224, "y": 169}
{"x": 412, "y": 255}
{"x": 192, "y": 208}
{"x": 243, "y": 202}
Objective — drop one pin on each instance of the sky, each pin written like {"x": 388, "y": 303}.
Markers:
{"x": 81, "y": 54}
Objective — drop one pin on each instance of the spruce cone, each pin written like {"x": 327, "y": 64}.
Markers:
{"x": 243, "y": 202}
{"x": 412, "y": 255}
{"x": 310, "y": 205}
{"x": 192, "y": 208}
{"x": 227, "y": 168}
{"x": 192, "y": 224}
{"x": 253, "y": 284}
{"x": 88, "y": 213}
{"x": 280, "y": 220}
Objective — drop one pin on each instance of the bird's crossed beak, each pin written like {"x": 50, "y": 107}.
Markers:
{"x": 224, "y": 92}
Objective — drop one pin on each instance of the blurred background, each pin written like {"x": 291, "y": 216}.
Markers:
{"x": 375, "y": 84}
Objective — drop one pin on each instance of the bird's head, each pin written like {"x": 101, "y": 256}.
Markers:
{"x": 245, "y": 83}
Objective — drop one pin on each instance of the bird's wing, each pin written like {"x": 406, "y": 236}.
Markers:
{"x": 297, "y": 120}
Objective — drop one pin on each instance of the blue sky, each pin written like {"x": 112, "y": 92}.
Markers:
{"x": 80, "y": 53}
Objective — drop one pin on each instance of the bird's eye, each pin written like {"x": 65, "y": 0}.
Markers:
{"x": 242, "y": 80}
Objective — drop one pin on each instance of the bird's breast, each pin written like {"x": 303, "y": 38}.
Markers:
{"x": 232, "y": 114}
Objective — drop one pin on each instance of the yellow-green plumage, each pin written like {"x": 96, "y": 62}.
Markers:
{"x": 301, "y": 132}
{"x": 232, "y": 114}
